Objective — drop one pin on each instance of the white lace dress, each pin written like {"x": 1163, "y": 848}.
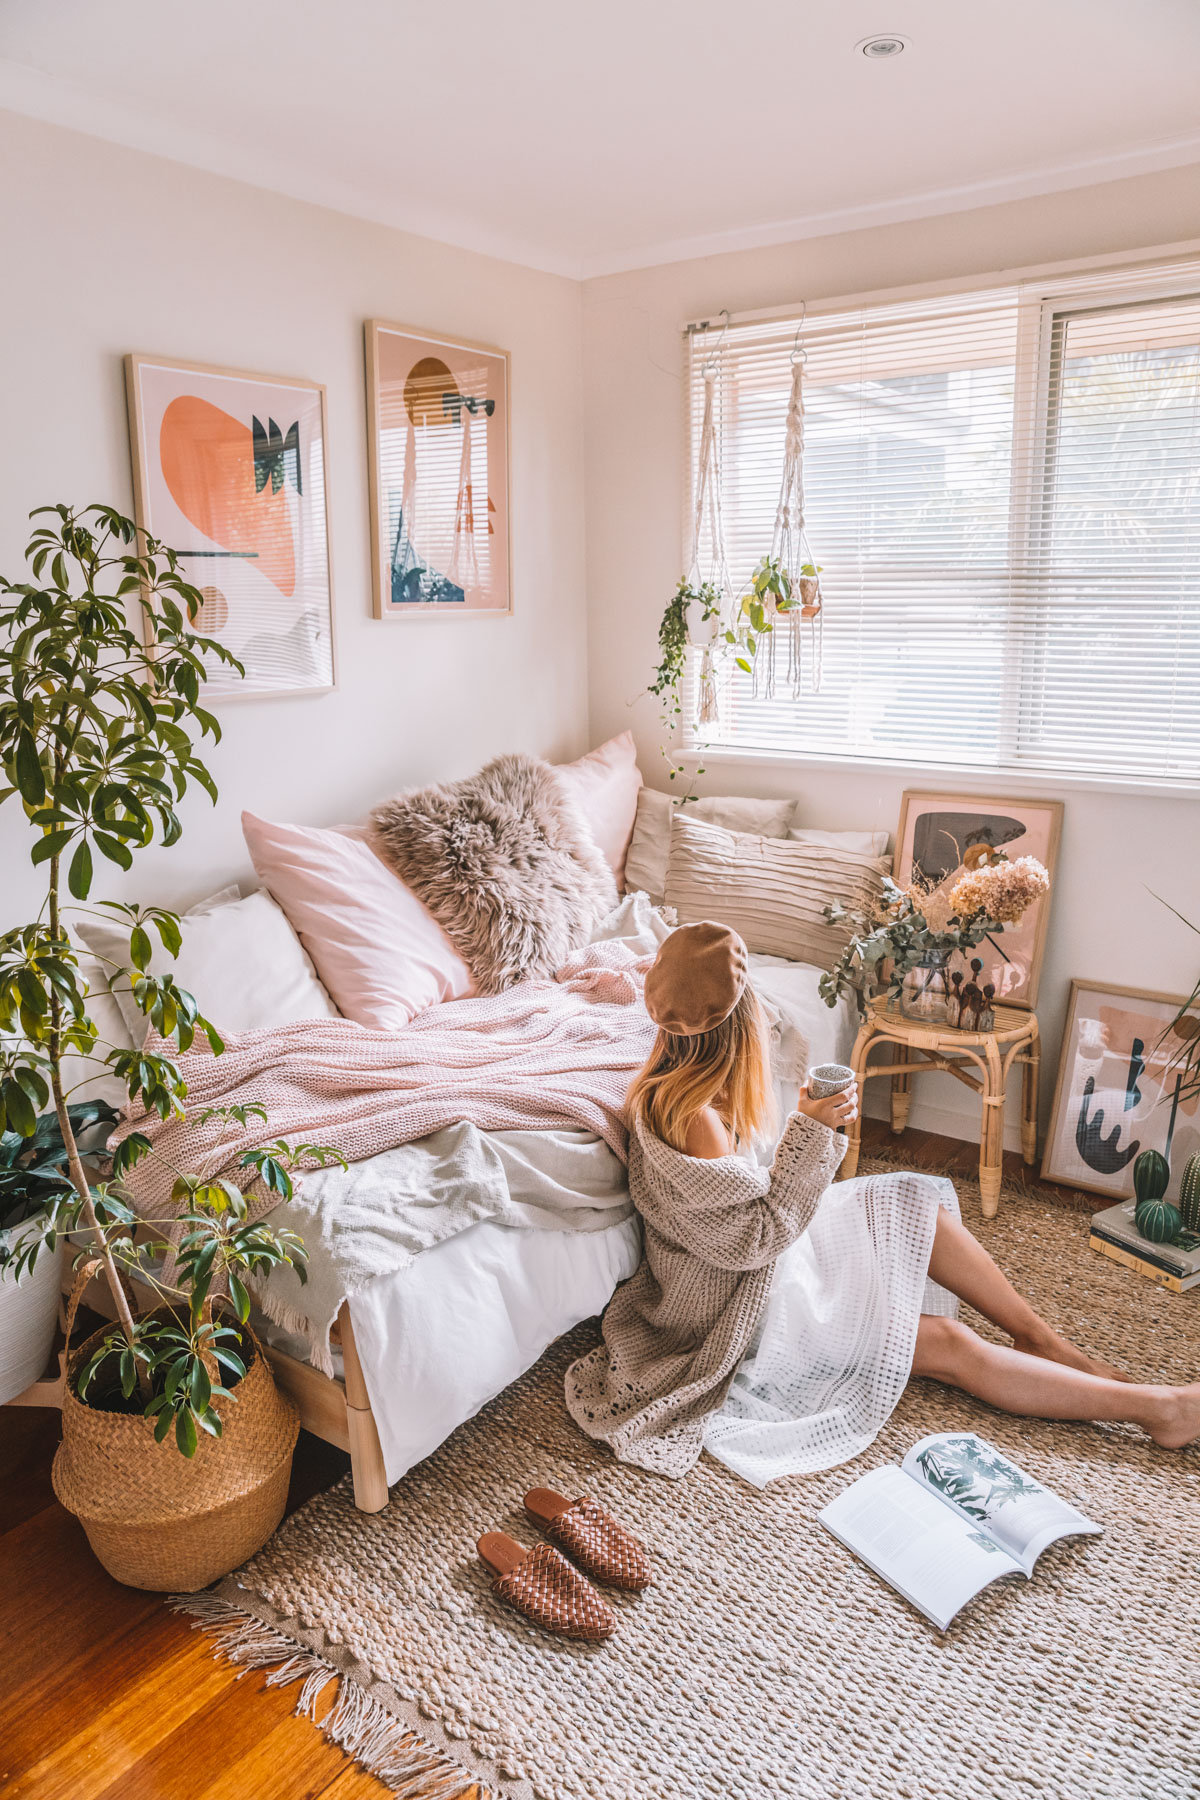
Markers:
{"x": 835, "y": 1347}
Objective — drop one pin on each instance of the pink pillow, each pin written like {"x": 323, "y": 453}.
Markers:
{"x": 381, "y": 955}
{"x": 605, "y": 783}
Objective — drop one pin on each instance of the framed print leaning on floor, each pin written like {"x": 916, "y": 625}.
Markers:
{"x": 438, "y": 441}
{"x": 229, "y": 469}
{"x": 941, "y": 835}
{"x": 1120, "y": 1090}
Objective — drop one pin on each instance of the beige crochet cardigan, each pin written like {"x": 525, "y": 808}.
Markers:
{"x": 675, "y": 1334}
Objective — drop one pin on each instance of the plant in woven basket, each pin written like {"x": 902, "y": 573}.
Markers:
{"x": 912, "y": 925}
{"x": 97, "y": 739}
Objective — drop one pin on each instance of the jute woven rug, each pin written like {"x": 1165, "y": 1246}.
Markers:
{"x": 767, "y": 1661}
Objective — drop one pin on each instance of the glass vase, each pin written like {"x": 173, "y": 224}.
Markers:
{"x": 925, "y": 993}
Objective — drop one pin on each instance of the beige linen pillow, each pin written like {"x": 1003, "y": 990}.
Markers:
{"x": 771, "y": 890}
{"x": 650, "y": 845}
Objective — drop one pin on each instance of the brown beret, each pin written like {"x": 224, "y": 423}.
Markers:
{"x": 697, "y": 979}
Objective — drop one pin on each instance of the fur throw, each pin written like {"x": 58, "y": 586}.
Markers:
{"x": 505, "y": 863}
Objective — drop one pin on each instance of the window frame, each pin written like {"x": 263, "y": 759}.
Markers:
{"x": 1045, "y": 302}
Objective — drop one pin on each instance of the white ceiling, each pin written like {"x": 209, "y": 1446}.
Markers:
{"x": 586, "y": 139}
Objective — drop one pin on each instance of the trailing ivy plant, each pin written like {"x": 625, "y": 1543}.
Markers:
{"x": 98, "y": 729}
{"x": 673, "y": 640}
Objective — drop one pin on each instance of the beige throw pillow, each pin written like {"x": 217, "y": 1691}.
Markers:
{"x": 650, "y": 845}
{"x": 771, "y": 890}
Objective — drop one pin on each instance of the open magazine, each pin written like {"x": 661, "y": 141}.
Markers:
{"x": 953, "y": 1517}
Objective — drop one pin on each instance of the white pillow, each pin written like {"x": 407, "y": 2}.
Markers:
{"x": 240, "y": 959}
{"x": 866, "y": 843}
{"x": 650, "y": 845}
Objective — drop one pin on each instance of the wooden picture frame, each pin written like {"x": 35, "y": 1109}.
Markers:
{"x": 218, "y": 477}
{"x": 439, "y": 448}
{"x": 1015, "y": 968}
{"x": 1121, "y": 1058}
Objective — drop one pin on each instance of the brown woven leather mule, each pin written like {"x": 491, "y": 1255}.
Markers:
{"x": 588, "y": 1532}
{"x": 542, "y": 1584}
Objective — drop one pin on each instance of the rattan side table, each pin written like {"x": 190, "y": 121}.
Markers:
{"x": 918, "y": 1046}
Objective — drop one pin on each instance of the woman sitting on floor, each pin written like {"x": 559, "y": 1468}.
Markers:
{"x": 777, "y": 1319}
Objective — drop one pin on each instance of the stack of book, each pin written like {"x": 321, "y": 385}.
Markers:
{"x": 1173, "y": 1266}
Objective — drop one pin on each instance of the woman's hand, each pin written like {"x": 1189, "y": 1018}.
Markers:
{"x": 837, "y": 1109}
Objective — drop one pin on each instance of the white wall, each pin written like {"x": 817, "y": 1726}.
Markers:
{"x": 1115, "y": 846}
{"x": 107, "y": 250}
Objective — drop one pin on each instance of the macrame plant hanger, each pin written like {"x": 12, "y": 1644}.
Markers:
{"x": 790, "y": 543}
{"x": 706, "y": 520}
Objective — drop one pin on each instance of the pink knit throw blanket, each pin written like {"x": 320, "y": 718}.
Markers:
{"x": 545, "y": 1055}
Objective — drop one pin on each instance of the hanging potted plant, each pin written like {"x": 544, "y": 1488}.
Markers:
{"x": 176, "y": 1445}
{"x": 32, "y": 1175}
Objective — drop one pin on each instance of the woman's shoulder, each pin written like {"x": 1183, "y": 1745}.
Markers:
{"x": 707, "y": 1140}
{"x": 707, "y": 1137}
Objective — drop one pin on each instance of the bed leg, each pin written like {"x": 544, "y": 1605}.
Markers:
{"x": 366, "y": 1452}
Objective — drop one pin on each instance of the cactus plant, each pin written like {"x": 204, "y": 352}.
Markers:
{"x": 1151, "y": 1174}
{"x": 1158, "y": 1221}
{"x": 1189, "y": 1194}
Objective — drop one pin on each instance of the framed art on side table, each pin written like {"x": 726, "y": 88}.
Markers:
{"x": 1120, "y": 1090}
{"x": 941, "y": 835}
{"x": 229, "y": 469}
{"x": 438, "y": 440}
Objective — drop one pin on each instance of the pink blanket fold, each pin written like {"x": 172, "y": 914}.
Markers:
{"x": 545, "y": 1055}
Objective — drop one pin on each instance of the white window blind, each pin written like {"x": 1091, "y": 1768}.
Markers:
{"x": 1003, "y": 490}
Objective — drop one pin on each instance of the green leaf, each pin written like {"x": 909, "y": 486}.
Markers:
{"x": 27, "y": 770}
{"x": 185, "y": 1433}
{"x": 53, "y": 844}
{"x": 139, "y": 948}
{"x": 239, "y": 1297}
{"x": 79, "y": 875}
{"x": 114, "y": 850}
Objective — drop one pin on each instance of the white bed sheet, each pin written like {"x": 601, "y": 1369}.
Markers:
{"x": 442, "y": 1337}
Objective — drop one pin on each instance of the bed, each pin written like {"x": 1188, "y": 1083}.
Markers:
{"x": 407, "y": 1374}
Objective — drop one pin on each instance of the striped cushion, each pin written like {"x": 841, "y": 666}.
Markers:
{"x": 771, "y": 890}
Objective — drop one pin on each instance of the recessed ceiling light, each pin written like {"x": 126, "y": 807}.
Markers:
{"x": 886, "y": 44}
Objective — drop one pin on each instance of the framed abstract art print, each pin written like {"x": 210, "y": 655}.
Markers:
{"x": 935, "y": 839}
{"x": 1120, "y": 1090}
{"x": 438, "y": 435}
{"x": 229, "y": 469}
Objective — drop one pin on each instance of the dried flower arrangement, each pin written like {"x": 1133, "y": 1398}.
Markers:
{"x": 917, "y": 926}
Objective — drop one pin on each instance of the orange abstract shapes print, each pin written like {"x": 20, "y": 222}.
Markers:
{"x": 209, "y": 464}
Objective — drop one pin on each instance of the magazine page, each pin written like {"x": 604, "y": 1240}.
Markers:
{"x": 904, "y": 1532}
{"x": 978, "y": 1482}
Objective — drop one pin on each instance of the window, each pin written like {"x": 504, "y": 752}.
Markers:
{"x": 1003, "y": 490}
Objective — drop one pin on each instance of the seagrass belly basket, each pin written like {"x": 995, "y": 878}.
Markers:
{"x": 160, "y": 1520}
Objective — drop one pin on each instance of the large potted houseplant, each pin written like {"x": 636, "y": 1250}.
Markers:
{"x": 176, "y": 1445}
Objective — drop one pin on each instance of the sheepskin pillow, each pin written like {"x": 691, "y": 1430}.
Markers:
{"x": 380, "y": 953}
{"x": 505, "y": 863}
{"x": 650, "y": 846}
{"x": 605, "y": 785}
{"x": 774, "y": 892}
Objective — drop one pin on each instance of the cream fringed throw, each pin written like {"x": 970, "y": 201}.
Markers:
{"x": 675, "y": 1334}
{"x": 505, "y": 863}
{"x": 546, "y": 1055}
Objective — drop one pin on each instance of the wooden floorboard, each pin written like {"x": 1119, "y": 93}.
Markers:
{"x": 105, "y": 1694}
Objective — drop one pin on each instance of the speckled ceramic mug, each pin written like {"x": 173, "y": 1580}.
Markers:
{"x": 828, "y": 1078}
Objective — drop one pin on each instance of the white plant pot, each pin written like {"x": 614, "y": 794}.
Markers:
{"x": 28, "y": 1315}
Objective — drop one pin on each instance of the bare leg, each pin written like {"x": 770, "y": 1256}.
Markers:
{"x": 960, "y": 1262}
{"x": 1018, "y": 1383}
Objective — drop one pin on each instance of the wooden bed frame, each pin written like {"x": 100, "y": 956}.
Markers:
{"x": 338, "y": 1411}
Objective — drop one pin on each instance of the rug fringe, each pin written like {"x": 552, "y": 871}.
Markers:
{"x": 357, "y": 1723}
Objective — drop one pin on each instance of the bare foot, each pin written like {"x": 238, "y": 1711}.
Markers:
{"x": 1180, "y": 1419}
{"x": 1052, "y": 1348}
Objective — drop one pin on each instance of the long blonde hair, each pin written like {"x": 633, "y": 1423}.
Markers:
{"x": 727, "y": 1068}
